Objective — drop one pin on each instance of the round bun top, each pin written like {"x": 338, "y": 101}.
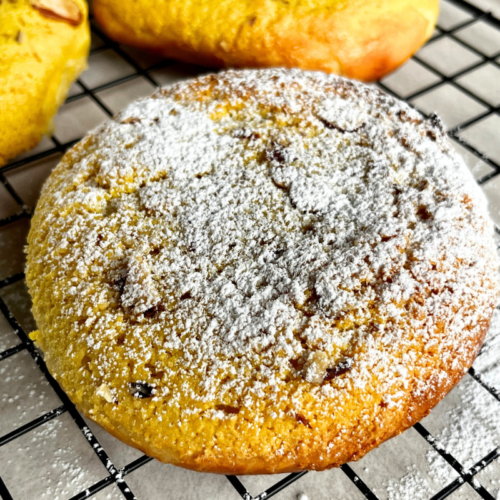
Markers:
{"x": 289, "y": 254}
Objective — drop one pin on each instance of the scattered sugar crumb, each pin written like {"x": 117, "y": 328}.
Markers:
{"x": 411, "y": 486}
{"x": 473, "y": 429}
{"x": 487, "y": 364}
{"x": 439, "y": 469}
{"x": 51, "y": 462}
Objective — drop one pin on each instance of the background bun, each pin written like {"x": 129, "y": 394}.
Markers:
{"x": 44, "y": 46}
{"x": 355, "y": 38}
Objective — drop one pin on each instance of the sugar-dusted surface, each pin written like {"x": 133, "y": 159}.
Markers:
{"x": 465, "y": 492}
{"x": 313, "y": 485}
{"x": 50, "y": 463}
{"x": 487, "y": 365}
{"x": 25, "y": 394}
{"x": 411, "y": 77}
{"x": 249, "y": 252}
{"x": 392, "y": 475}
{"x": 179, "y": 483}
{"x": 109, "y": 493}
{"x": 466, "y": 424}
{"x": 490, "y": 478}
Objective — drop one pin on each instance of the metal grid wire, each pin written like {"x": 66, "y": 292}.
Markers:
{"x": 118, "y": 476}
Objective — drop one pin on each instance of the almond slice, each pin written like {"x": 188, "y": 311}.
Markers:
{"x": 61, "y": 10}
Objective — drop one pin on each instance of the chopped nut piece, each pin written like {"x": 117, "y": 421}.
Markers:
{"x": 318, "y": 367}
{"x": 139, "y": 291}
{"x": 315, "y": 368}
{"x": 105, "y": 392}
{"x": 60, "y": 10}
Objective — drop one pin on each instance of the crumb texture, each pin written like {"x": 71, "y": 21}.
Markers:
{"x": 261, "y": 271}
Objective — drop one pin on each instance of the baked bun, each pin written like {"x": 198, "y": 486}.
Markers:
{"x": 43, "y": 48}
{"x": 261, "y": 271}
{"x": 354, "y": 38}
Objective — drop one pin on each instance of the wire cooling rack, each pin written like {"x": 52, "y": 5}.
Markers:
{"x": 432, "y": 74}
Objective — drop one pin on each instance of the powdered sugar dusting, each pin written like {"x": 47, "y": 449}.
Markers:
{"x": 488, "y": 362}
{"x": 413, "y": 485}
{"x": 473, "y": 426}
{"x": 253, "y": 241}
{"x": 50, "y": 462}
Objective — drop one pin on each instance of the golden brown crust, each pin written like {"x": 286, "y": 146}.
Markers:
{"x": 334, "y": 327}
{"x": 419, "y": 407}
{"x": 362, "y": 40}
